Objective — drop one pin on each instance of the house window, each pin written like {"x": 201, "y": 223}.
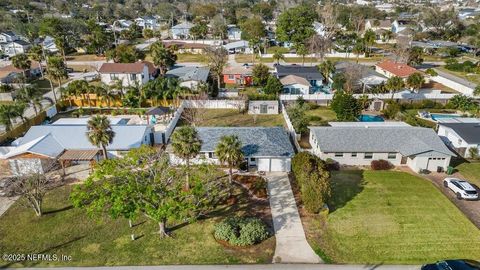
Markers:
{"x": 392, "y": 155}
{"x": 211, "y": 155}
{"x": 368, "y": 155}
{"x": 113, "y": 76}
{"x": 338, "y": 154}
{"x": 354, "y": 154}
{"x": 133, "y": 77}
{"x": 231, "y": 77}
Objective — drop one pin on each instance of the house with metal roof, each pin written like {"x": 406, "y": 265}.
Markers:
{"x": 265, "y": 148}
{"x": 190, "y": 76}
{"x": 358, "y": 144}
{"x": 42, "y": 145}
{"x": 461, "y": 135}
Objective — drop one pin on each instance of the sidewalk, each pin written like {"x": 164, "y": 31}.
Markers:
{"x": 292, "y": 245}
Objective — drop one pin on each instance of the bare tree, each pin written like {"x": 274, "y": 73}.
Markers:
{"x": 319, "y": 45}
{"x": 353, "y": 73}
{"x": 402, "y": 48}
{"x": 328, "y": 18}
{"x": 195, "y": 112}
{"x": 32, "y": 188}
{"x": 216, "y": 59}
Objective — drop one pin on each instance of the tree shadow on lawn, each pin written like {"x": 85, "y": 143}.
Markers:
{"x": 346, "y": 184}
{"x": 58, "y": 210}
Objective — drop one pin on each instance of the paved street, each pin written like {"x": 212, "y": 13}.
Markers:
{"x": 292, "y": 245}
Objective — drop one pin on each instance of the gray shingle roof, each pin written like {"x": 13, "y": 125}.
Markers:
{"x": 405, "y": 140}
{"x": 309, "y": 73}
{"x": 470, "y": 132}
{"x": 190, "y": 73}
{"x": 256, "y": 141}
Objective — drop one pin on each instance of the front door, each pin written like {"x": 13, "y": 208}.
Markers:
{"x": 263, "y": 108}
{"x": 404, "y": 160}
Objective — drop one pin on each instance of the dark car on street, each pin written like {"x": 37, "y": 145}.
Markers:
{"x": 453, "y": 265}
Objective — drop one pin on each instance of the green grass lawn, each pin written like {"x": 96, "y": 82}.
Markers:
{"x": 232, "y": 118}
{"x": 273, "y": 49}
{"x": 247, "y": 58}
{"x": 471, "y": 171}
{"x": 391, "y": 217}
{"x": 320, "y": 115}
{"x": 92, "y": 243}
{"x": 190, "y": 57}
{"x": 472, "y": 77}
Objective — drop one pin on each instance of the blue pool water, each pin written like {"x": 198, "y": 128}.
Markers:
{"x": 370, "y": 118}
{"x": 436, "y": 116}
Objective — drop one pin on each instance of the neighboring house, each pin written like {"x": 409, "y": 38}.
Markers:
{"x": 234, "y": 32}
{"x": 129, "y": 73}
{"x": 186, "y": 47}
{"x": 121, "y": 25}
{"x": 49, "y": 44}
{"x": 391, "y": 68}
{"x": 360, "y": 143}
{"x": 461, "y": 136}
{"x": 44, "y": 144}
{"x": 295, "y": 85}
{"x": 263, "y": 107}
{"x": 190, "y": 76}
{"x": 8, "y": 36}
{"x": 240, "y": 46}
{"x": 147, "y": 22}
{"x": 16, "y": 47}
{"x": 10, "y": 74}
{"x": 319, "y": 28}
{"x": 368, "y": 78}
{"x": 181, "y": 31}
{"x": 239, "y": 75}
{"x": 265, "y": 148}
{"x": 375, "y": 25}
{"x": 311, "y": 74}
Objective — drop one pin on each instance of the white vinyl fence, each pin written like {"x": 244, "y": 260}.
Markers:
{"x": 215, "y": 104}
{"x": 290, "y": 129}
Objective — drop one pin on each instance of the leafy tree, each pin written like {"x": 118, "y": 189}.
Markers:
{"x": 369, "y": 39}
{"x": 229, "y": 152}
{"x": 98, "y": 40}
{"x": 100, "y": 133}
{"x": 148, "y": 33}
{"x": 8, "y": 112}
{"x": 339, "y": 81}
{"x": 326, "y": 68}
{"x": 57, "y": 70}
{"x": 295, "y": 25}
{"x": 199, "y": 30}
{"x": 394, "y": 84}
{"x": 277, "y": 56}
{"x": 163, "y": 57}
{"x": 186, "y": 145}
{"x": 297, "y": 115}
{"x": 302, "y": 51}
{"x": 219, "y": 27}
{"x": 216, "y": 59}
{"x": 462, "y": 102}
{"x": 125, "y": 54}
{"x": 22, "y": 62}
{"x": 473, "y": 152}
{"x": 431, "y": 72}
{"x": 32, "y": 96}
{"x": 36, "y": 53}
{"x": 415, "y": 56}
{"x": 154, "y": 190}
{"x": 346, "y": 107}
{"x": 273, "y": 86}
{"x": 253, "y": 29}
{"x": 264, "y": 10}
{"x": 260, "y": 74}
{"x": 415, "y": 81}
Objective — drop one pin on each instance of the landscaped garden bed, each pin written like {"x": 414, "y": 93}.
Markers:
{"x": 256, "y": 185}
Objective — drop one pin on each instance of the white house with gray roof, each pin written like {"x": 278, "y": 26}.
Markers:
{"x": 359, "y": 144}
{"x": 265, "y": 148}
{"x": 462, "y": 135}
{"x": 191, "y": 76}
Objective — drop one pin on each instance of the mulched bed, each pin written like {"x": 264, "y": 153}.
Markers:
{"x": 256, "y": 185}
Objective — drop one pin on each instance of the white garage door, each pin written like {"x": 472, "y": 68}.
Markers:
{"x": 434, "y": 163}
{"x": 274, "y": 164}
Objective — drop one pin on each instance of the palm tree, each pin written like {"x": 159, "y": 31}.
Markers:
{"x": 229, "y": 152}
{"x": 394, "y": 84}
{"x": 302, "y": 50}
{"x": 369, "y": 38}
{"x": 32, "y": 96}
{"x": 100, "y": 133}
{"x": 36, "y": 53}
{"x": 277, "y": 56}
{"x": 22, "y": 62}
{"x": 186, "y": 145}
{"x": 415, "y": 81}
{"x": 7, "y": 114}
{"x": 56, "y": 70}
{"x": 163, "y": 57}
{"x": 326, "y": 68}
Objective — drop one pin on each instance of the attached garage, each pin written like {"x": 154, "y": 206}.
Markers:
{"x": 274, "y": 164}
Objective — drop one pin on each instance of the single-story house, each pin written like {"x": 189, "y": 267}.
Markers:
{"x": 43, "y": 145}
{"x": 311, "y": 74}
{"x": 295, "y": 85}
{"x": 462, "y": 136}
{"x": 49, "y": 44}
{"x": 8, "y": 36}
{"x": 368, "y": 77}
{"x": 263, "y": 107}
{"x": 239, "y": 75}
{"x": 240, "y": 46}
{"x": 16, "y": 47}
{"x": 129, "y": 73}
{"x": 181, "y": 31}
{"x": 190, "y": 76}
{"x": 265, "y": 148}
{"x": 359, "y": 143}
{"x": 374, "y": 25}
{"x": 391, "y": 68}
{"x": 234, "y": 32}
{"x": 9, "y": 74}
{"x": 187, "y": 47}
{"x": 147, "y": 22}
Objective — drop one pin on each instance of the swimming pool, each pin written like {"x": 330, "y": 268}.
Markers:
{"x": 370, "y": 118}
{"x": 436, "y": 116}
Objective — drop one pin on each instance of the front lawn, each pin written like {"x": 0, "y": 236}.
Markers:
{"x": 63, "y": 230}
{"x": 190, "y": 57}
{"x": 390, "y": 217}
{"x": 471, "y": 171}
{"x": 233, "y": 118}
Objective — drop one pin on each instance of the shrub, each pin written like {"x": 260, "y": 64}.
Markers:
{"x": 332, "y": 165}
{"x": 241, "y": 231}
{"x": 380, "y": 164}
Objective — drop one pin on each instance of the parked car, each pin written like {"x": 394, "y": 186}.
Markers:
{"x": 453, "y": 265}
{"x": 461, "y": 188}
